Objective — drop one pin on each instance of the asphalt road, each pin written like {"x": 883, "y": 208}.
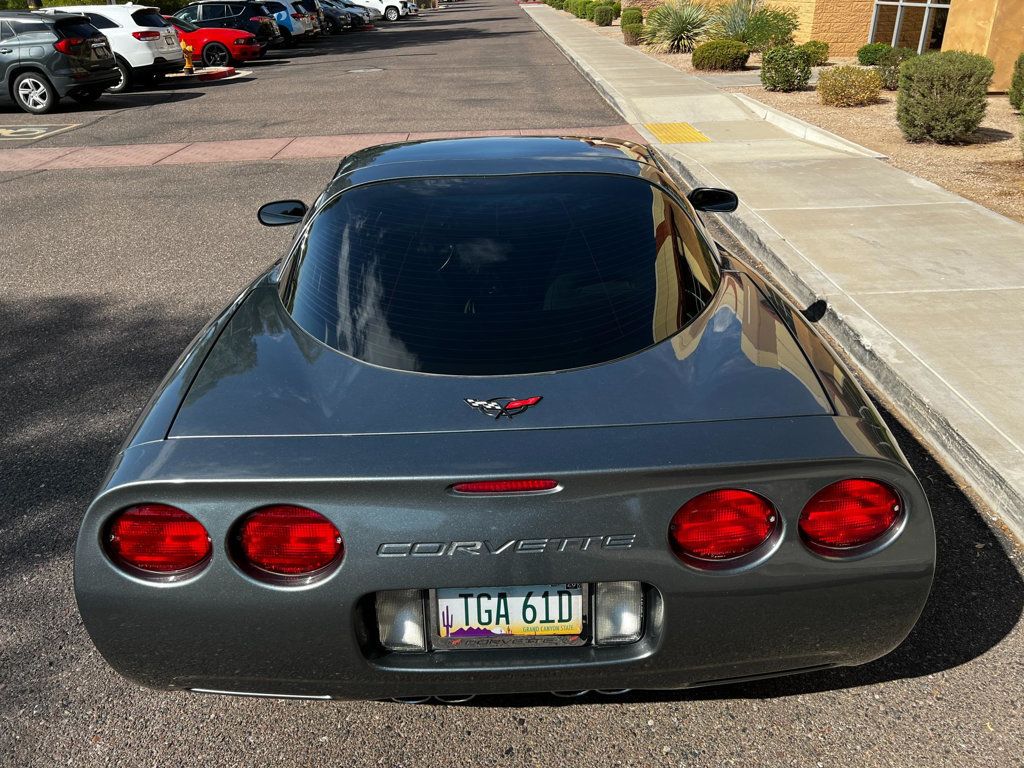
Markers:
{"x": 107, "y": 273}
{"x": 479, "y": 64}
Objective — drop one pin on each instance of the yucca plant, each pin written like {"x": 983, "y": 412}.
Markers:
{"x": 731, "y": 19}
{"x": 677, "y": 26}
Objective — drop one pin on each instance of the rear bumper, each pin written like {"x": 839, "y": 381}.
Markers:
{"x": 224, "y": 631}
{"x": 96, "y": 80}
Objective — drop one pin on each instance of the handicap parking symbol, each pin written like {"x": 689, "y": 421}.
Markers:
{"x": 28, "y": 132}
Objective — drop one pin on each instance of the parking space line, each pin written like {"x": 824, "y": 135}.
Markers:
{"x": 248, "y": 150}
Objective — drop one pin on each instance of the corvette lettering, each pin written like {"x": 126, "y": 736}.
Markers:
{"x": 497, "y": 407}
{"x": 511, "y": 546}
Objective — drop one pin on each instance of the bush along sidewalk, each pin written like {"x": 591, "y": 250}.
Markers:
{"x": 889, "y": 63}
{"x": 632, "y": 34}
{"x": 785, "y": 69}
{"x": 817, "y": 51}
{"x": 721, "y": 55}
{"x": 849, "y": 87}
{"x": 1017, "y": 86}
{"x": 677, "y": 26}
{"x": 869, "y": 54}
{"x": 943, "y": 96}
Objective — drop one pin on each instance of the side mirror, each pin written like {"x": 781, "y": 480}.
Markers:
{"x": 713, "y": 199}
{"x": 282, "y": 212}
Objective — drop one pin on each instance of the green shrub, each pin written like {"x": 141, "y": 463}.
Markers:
{"x": 849, "y": 86}
{"x": 632, "y": 34}
{"x": 677, "y": 26}
{"x": 869, "y": 54}
{"x": 616, "y": 10}
{"x": 888, "y": 66}
{"x": 771, "y": 28}
{"x": 943, "y": 96}
{"x": 785, "y": 69}
{"x": 632, "y": 16}
{"x": 731, "y": 19}
{"x": 721, "y": 54}
{"x": 603, "y": 15}
{"x": 817, "y": 51}
{"x": 588, "y": 10}
{"x": 1017, "y": 85}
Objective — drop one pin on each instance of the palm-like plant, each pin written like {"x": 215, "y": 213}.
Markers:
{"x": 677, "y": 26}
{"x": 732, "y": 18}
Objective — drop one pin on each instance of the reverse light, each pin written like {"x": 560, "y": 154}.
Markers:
{"x": 721, "y": 525}
{"x": 288, "y": 541}
{"x": 848, "y": 514}
{"x": 506, "y": 486}
{"x": 148, "y": 34}
{"x": 619, "y": 612}
{"x": 400, "y": 620}
{"x": 68, "y": 44}
{"x": 158, "y": 539}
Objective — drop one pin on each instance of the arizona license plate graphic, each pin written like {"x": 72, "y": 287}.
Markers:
{"x": 534, "y": 611}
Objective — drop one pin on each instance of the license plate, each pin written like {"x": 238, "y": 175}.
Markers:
{"x": 541, "y": 610}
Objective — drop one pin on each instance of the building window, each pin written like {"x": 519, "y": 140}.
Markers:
{"x": 917, "y": 24}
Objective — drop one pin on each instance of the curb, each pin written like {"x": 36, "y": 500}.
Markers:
{"x": 804, "y": 130}
{"x": 1005, "y": 504}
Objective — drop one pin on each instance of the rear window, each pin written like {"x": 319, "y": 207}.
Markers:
{"x": 76, "y": 28}
{"x": 489, "y": 276}
{"x": 274, "y": 7}
{"x": 149, "y": 18}
{"x": 101, "y": 22}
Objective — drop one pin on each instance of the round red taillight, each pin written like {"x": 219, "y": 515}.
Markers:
{"x": 158, "y": 539}
{"x": 289, "y": 541}
{"x": 849, "y": 513}
{"x": 720, "y": 525}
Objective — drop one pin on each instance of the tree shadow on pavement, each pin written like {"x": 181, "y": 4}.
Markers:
{"x": 75, "y": 371}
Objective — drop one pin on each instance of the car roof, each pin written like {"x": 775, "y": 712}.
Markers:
{"x": 124, "y": 7}
{"x": 495, "y": 156}
{"x": 36, "y": 16}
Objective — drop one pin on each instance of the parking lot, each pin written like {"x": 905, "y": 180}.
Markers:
{"x": 108, "y": 271}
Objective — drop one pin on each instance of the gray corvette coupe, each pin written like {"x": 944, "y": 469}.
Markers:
{"x": 503, "y": 419}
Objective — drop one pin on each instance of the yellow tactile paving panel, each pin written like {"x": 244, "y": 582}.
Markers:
{"x": 676, "y": 133}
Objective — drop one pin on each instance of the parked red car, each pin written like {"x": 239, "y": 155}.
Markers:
{"x": 217, "y": 46}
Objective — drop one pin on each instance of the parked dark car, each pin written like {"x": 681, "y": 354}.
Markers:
{"x": 358, "y": 16}
{"x": 43, "y": 59}
{"x": 247, "y": 16}
{"x": 504, "y": 418}
{"x": 338, "y": 20}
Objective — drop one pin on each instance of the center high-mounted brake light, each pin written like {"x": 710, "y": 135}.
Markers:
{"x": 148, "y": 34}
{"x": 506, "y": 486}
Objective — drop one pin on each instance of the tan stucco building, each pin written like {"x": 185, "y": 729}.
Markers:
{"x": 994, "y": 28}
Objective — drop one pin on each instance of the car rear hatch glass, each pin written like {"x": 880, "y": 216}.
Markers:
{"x": 87, "y": 45}
{"x": 498, "y": 276}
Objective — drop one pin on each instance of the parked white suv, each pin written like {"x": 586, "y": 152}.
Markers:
{"x": 391, "y": 10}
{"x": 144, "y": 45}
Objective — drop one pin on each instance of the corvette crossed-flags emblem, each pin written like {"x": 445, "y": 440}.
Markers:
{"x": 497, "y": 407}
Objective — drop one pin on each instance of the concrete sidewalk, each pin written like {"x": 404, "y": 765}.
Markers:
{"x": 925, "y": 288}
